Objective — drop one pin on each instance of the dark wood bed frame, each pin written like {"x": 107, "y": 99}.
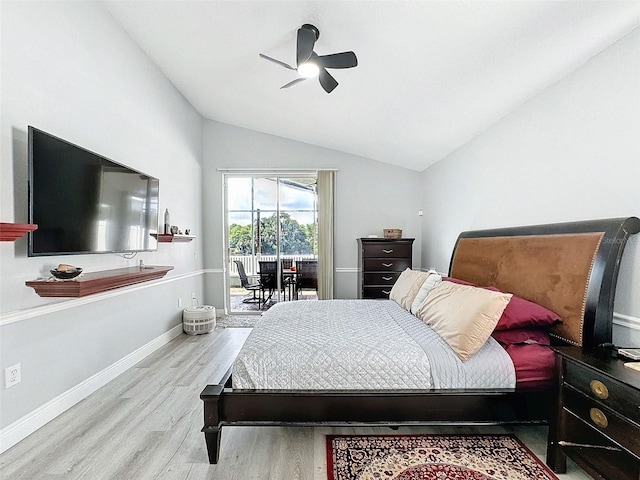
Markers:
{"x": 570, "y": 268}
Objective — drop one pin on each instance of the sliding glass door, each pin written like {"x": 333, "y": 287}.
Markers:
{"x": 271, "y": 225}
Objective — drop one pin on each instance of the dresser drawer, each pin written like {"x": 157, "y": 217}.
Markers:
{"x": 599, "y": 417}
{"x": 376, "y": 292}
{"x": 387, "y": 250}
{"x": 386, "y": 264}
{"x": 610, "y": 393}
{"x": 381, "y": 278}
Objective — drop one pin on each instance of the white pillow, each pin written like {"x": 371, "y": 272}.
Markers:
{"x": 462, "y": 315}
{"x": 406, "y": 287}
{"x": 432, "y": 280}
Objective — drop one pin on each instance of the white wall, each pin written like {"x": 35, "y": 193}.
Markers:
{"x": 570, "y": 153}
{"x": 69, "y": 69}
{"x": 370, "y": 196}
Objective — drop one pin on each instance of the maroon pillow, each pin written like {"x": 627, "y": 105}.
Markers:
{"x": 520, "y": 313}
{"x": 521, "y": 336}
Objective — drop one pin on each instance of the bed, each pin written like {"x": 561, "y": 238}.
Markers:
{"x": 569, "y": 268}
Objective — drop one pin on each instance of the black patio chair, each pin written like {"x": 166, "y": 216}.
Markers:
{"x": 268, "y": 279}
{"x": 307, "y": 276}
{"x": 287, "y": 281}
{"x": 252, "y": 287}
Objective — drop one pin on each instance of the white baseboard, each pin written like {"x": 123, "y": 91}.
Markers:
{"x": 22, "y": 428}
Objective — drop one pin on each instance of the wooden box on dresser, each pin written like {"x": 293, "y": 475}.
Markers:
{"x": 380, "y": 262}
{"x": 597, "y": 421}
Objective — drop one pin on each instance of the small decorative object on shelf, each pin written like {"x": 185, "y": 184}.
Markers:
{"x": 10, "y": 232}
{"x": 66, "y": 272}
{"x": 167, "y": 225}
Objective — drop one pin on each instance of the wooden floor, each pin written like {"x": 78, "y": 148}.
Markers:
{"x": 146, "y": 424}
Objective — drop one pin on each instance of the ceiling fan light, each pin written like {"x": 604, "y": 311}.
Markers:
{"x": 308, "y": 70}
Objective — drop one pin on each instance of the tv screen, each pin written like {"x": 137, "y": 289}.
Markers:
{"x": 83, "y": 202}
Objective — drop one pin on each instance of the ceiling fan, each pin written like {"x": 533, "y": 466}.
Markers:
{"x": 310, "y": 64}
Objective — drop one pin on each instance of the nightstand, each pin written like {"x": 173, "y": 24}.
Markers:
{"x": 597, "y": 417}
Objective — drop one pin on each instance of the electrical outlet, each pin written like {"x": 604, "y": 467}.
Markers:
{"x": 179, "y": 303}
{"x": 12, "y": 375}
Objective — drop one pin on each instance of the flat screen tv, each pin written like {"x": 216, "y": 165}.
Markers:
{"x": 84, "y": 203}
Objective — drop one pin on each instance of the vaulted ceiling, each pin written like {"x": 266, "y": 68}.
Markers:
{"x": 432, "y": 75}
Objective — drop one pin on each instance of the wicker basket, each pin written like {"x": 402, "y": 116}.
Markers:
{"x": 198, "y": 320}
{"x": 392, "y": 233}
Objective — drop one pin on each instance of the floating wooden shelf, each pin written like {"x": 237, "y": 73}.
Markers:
{"x": 97, "y": 282}
{"x": 164, "y": 237}
{"x": 10, "y": 232}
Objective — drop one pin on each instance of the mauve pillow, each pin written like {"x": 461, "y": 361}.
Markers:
{"x": 521, "y": 336}
{"x": 520, "y": 313}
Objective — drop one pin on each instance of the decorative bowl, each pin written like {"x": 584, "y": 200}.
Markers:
{"x": 66, "y": 274}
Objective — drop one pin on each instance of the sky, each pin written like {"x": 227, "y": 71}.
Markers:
{"x": 265, "y": 191}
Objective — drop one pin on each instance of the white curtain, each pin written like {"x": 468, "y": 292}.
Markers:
{"x": 326, "y": 194}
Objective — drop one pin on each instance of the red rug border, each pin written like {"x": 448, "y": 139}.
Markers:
{"x": 329, "y": 455}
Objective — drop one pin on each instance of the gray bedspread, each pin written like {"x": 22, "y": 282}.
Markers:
{"x": 359, "y": 344}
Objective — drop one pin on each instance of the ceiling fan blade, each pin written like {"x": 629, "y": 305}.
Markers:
{"x": 293, "y": 82}
{"x": 306, "y": 40}
{"x": 327, "y": 81}
{"x": 338, "y": 60}
{"x": 277, "y": 61}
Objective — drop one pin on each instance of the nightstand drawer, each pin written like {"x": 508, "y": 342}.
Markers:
{"x": 619, "y": 397}
{"x": 592, "y": 448}
{"x": 392, "y": 250}
{"x": 599, "y": 417}
{"x": 386, "y": 264}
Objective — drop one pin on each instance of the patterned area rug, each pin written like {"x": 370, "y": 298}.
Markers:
{"x": 422, "y": 457}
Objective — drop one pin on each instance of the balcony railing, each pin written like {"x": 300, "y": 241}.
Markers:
{"x": 251, "y": 266}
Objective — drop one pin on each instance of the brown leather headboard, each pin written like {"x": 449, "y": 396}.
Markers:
{"x": 570, "y": 268}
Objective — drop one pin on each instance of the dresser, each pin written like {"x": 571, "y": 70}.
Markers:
{"x": 380, "y": 262}
{"x": 597, "y": 419}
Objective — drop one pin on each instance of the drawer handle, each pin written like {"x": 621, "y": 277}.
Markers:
{"x": 599, "y": 389}
{"x": 385, "y": 292}
{"x": 598, "y": 417}
{"x": 388, "y": 251}
{"x": 387, "y": 265}
{"x": 387, "y": 278}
